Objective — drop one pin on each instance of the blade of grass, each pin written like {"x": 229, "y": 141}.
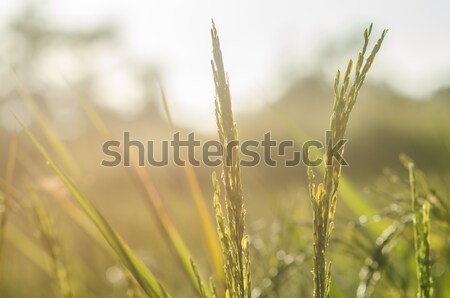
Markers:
{"x": 90, "y": 111}
{"x": 168, "y": 228}
{"x": 82, "y": 220}
{"x": 56, "y": 144}
{"x": 145, "y": 185}
{"x": 10, "y": 167}
{"x": 209, "y": 230}
{"x": 68, "y": 206}
{"x": 142, "y": 274}
{"x": 66, "y": 156}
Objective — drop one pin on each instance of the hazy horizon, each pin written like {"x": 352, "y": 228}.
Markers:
{"x": 263, "y": 48}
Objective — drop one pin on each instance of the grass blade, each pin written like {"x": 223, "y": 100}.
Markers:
{"x": 4, "y": 198}
{"x": 205, "y": 219}
{"x": 142, "y": 274}
{"x": 145, "y": 185}
{"x": 56, "y": 144}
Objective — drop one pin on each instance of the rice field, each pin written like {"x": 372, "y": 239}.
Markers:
{"x": 70, "y": 227}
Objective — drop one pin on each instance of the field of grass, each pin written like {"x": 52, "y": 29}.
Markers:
{"x": 380, "y": 228}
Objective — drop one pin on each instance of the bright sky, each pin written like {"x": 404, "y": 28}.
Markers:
{"x": 260, "y": 38}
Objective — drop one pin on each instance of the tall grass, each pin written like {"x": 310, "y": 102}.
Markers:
{"x": 324, "y": 197}
{"x": 146, "y": 186}
{"x": 52, "y": 244}
{"x": 228, "y": 204}
{"x": 142, "y": 274}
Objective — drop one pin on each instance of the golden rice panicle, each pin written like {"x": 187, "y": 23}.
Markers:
{"x": 231, "y": 229}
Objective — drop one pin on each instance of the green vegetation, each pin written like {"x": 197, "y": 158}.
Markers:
{"x": 244, "y": 258}
{"x": 324, "y": 198}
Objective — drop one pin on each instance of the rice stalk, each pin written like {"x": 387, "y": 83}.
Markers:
{"x": 347, "y": 190}
{"x": 52, "y": 245}
{"x": 421, "y": 211}
{"x": 324, "y": 197}
{"x": 234, "y": 243}
{"x": 41, "y": 258}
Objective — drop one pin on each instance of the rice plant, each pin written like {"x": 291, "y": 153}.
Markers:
{"x": 324, "y": 197}
{"x": 421, "y": 212}
{"x": 231, "y": 229}
{"x": 52, "y": 244}
{"x": 280, "y": 266}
